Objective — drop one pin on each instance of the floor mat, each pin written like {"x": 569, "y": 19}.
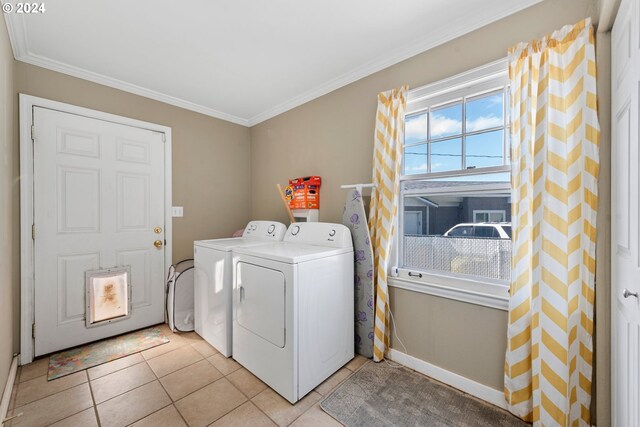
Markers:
{"x": 84, "y": 357}
{"x": 381, "y": 395}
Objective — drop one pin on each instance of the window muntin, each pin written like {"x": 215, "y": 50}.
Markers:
{"x": 465, "y": 133}
{"x": 489, "y": 216}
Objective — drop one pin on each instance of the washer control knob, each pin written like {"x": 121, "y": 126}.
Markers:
{"x": 332, "y": 233}
{"x": 271, "y": 229}
{"x": 295, "y": 230}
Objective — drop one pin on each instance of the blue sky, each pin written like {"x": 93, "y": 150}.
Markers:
{"x": 483, "y": 150}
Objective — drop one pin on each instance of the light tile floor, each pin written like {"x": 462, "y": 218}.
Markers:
{"x": 183, "y": 383}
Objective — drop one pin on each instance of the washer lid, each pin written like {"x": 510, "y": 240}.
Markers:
{"x": 290, "y": 253}
{"x": 227, "y": 245}
{"x": 256, "y": 232}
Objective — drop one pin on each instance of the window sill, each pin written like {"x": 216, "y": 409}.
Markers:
{"x": 493, "y": 295}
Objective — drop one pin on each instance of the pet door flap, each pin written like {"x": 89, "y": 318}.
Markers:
{"x": 108, "y": 295}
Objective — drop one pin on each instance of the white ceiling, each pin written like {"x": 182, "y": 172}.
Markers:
{"x": 239, "y": 60}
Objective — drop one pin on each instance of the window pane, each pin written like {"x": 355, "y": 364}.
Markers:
{"x": 446, "y": 121}
{"x": 446, "y": 155}
{"x": 484, "y": 232}
{"x": 415, "y": 159}
{"x": 485, "y": 149}
{"x": 415, "y": 128}
{"x": 485, "y": 112}
{"x": 461, "y": 231}
{"x": 481, "y": 217}
{"x": 496, "y": 216}
{"x": 449, "y": 241}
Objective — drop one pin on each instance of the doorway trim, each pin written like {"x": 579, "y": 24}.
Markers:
{"x": 27, "y": 266}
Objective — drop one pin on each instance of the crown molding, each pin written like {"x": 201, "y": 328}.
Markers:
{"x": 19, "y": 43}
{"x": 387, "y": 61}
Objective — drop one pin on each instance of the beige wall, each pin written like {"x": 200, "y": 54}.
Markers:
{"x": 8, "y": 255}
{"x": 332, "y": 136}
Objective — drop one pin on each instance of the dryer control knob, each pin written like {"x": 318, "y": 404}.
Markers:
{"x": 295, "y": 230}
{"x": 271, "y": 229}
{"x": 332, "y": 233}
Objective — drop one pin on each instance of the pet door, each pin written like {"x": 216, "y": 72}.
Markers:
{"x": 108, "y": 295}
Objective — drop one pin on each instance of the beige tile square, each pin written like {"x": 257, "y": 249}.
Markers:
{"x": 316, "y": 417}
{"x": 175, "y": 342}
{"x": 104, "y": 388}
{"x": 165, "y": 417}
{"x": 174, "y": 360}
{"x": 187, "y": 380}
{"x": 34, "y": 369}
{"x": 245, "y": 415}
{"x": 226, "y": 365}
{"x": 133, "y": 405}
{"x": 280, "y": 410}
{"x": 37, "y": 388}
{"x": 114, "y": 365}
{"x": 246, "y": 382}
{"x": 356, "y": 363}
{"x": 86, "y": 418}
{"x": 204, "y": 348}
{"x": 54, "y": 408}
{"x": 333, "y": 381}
{"x": 190, "y": 337}
{"x": 210, "y": 403}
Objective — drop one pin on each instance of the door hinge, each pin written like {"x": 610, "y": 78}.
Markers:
{"x": 33, "y": 133}
{"x": 164, "y": 137}
{"x": 33, "y": 232}
{"x": 33, "y": 330}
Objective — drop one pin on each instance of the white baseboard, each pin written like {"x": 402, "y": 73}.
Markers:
{"x": 481, "y": 391}
{"x": 8, "y": 388}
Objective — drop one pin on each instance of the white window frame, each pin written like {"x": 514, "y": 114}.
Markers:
{"x": 475, "y": 290}
{"x": 493, "y": 211}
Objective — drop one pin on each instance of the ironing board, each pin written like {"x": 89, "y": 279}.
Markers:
{"x": 355, "y": 218}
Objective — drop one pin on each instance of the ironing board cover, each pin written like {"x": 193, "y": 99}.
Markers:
{"x": 355, "y": 218}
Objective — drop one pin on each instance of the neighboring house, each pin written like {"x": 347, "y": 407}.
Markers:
{"x": 434, "y": 214}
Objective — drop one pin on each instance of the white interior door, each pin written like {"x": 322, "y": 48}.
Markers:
{"x": 625, "y": 251}
{"x": 98, "y": 203}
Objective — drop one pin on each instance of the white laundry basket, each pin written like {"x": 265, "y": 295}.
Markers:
{"x": 180, "y": 300}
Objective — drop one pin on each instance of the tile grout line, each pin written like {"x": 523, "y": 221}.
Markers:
{"x": 93, "y": 399}
{"x": 170, "y": 398}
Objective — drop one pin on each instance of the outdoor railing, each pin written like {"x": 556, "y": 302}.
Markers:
{"x": 484, "y": 257}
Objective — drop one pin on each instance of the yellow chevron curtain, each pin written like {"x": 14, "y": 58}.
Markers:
{"x": 383, "y": 211}
{"x": 554, "y": 136}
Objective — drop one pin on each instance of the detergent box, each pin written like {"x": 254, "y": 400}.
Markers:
{"x": 304, "y": 193}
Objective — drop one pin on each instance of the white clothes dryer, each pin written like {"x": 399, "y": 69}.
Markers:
{"x": 293, "y": 323}
{"x": 214, "y": 280}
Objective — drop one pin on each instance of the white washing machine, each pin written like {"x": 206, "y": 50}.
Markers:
{"x": 293, "y": 322}
{"x": 213, "y": 281}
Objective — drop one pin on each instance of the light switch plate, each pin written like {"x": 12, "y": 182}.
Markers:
{"x": 178, "y": 212}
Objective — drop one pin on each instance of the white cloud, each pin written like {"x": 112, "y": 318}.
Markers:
{"x": 415, "y": 128}
{"x": 419, "y": 168}
{"x": 442, "y": 125}
{"x": 484, "y": 122}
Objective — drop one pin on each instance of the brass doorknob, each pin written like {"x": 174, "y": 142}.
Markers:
{"x": 157, "y": 244}
{"x": 157, "y": 230}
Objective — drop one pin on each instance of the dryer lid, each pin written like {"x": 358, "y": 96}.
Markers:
{"x": 291, "y": 253}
